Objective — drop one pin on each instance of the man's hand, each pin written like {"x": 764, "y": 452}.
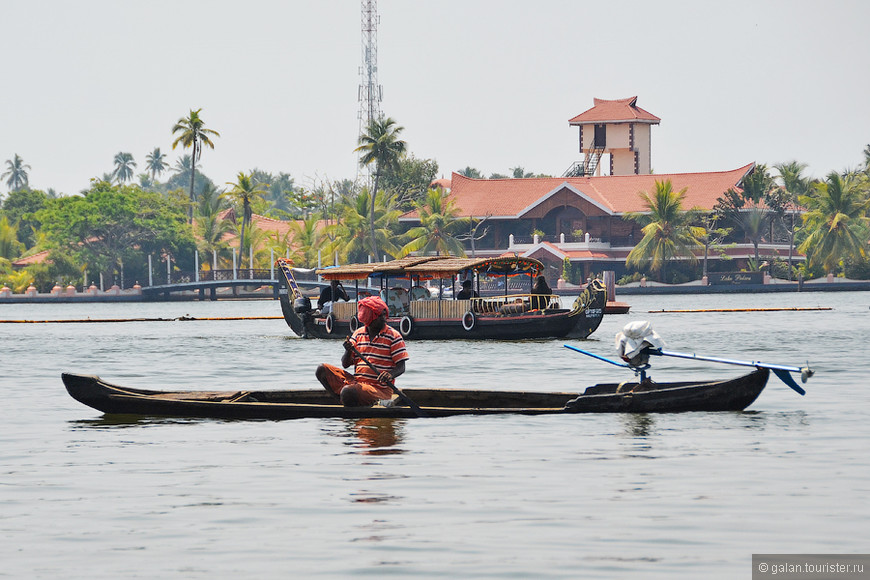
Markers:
{"x": 385, "y": 378}
{"x": 348, "y": 345}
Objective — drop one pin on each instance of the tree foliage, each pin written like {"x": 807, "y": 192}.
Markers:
{"x": 438, "y": 227}
{"x": 410, "y": 180}
{"x": 352, "y": 235}
{"x": 836, "y": 222}
{"x": 380, "y": 146}
{"x": 16, "y": 174}
{"x": 193, "y": 133}
{"x": 245, "y": 192}
{"x": 20, "y": 207}
{"x": 112, "y": 228}
{"x": 667, "y": 229}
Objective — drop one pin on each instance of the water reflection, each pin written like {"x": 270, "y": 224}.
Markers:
{"x": 638, "y": 424}
{"x": 126, "y": 421}
{"x": 375, "y": 436}
{"x": 762, "y": 420}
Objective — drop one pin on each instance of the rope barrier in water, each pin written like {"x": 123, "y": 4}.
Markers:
{"x": 795, "y": 309}
{"x": 178, "y": 319}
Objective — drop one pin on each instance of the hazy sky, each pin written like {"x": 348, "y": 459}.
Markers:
{"x": 490, "y": 84}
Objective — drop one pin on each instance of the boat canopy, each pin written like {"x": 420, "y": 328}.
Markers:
{"x": 430, "y": 267}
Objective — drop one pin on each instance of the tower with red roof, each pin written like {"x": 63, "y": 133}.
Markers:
{"x": 619, "y": 129}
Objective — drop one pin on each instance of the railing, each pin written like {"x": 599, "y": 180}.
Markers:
{"x": 454, "y": 309}
{"x": 569, "y": 239}
{"x": 237, "y": 274}
{"x": 514, "y": 303}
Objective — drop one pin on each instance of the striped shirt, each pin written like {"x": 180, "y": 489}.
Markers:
{"x": 385, "y": 351}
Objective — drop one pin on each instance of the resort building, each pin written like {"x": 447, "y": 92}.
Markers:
{"x": 581, "y": 216}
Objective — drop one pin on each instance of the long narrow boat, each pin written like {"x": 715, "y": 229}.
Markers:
{"x": 628, "y": 397}
{"x": 417, "y": 314}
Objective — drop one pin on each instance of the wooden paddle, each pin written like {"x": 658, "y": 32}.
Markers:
{"x": 420, "y": 412}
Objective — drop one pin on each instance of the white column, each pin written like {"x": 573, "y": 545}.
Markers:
{"x": 150, "y": 272}
{"x": 168, "y": 269}
{"x": 235, "y": 271}
{"x": 196, "y": 264}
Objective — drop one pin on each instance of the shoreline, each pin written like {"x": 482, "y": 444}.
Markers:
{"x": 634, "y": 289}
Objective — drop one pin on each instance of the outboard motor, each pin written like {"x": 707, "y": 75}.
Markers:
{"x": 633, "y": 344}
{"x": 302, "y": 305}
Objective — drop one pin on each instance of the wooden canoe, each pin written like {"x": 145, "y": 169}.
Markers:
{"x": 726, "y": 395}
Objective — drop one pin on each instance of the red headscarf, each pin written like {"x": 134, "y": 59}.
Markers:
{"x": 370, "y": 308}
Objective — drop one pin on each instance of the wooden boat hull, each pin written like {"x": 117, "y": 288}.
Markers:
{"x": 728, "y": 395}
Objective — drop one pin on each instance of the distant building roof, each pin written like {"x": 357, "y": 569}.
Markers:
{"x": 37, "y": 258}
{"x": 611, "y": 194}
{"x": 618, "y": 111}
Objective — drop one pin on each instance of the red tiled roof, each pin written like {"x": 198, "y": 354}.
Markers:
{"x": 614, "y": 194}
{"x": 265, "y": 224}
{"x": 37, "y": 258}
{"x": 618, "y": 111}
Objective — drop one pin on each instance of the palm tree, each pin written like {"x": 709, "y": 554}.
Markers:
{"x": 753, "y": 222}
{"x": 836, "y": 221}
{"x": 16, "y": 174}
{"x": 183, "y": 170}
{"x": 520, "y": 173}
{"x": 307, "y": 236}
{"x": 10, "y": 247}
{"x": 211, "y": 201}
{"x": 194, "y": 134}
{"x": 124, "y": 166}
{"x": 211, "y": 227}
{"x": 667, "y": 230}
{"x": 380, "y": 144}
{"x": 211, "y": 231}
{"x": 156, "y": 163}
{"x": 245, "y": 191}
{"x": 471, "y": 172}
{"x": 794, "y": 185}
{"x": 351, "y": 234}
{"x": 438, "y": 224}
{"x": 710, "y": 236}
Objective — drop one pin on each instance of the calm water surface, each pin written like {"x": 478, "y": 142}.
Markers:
{"x": 689, "y": 495}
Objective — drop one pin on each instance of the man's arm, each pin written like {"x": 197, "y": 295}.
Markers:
{"x": 392, "y": 373}
{"x": 348, "y": 357}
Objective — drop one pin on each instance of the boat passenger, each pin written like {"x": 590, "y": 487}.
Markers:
{"x": 467, "y": 293}
{"x": 329, "y": 294}
{"x": 381, "y": 345}
{"x": 542, "y": 288}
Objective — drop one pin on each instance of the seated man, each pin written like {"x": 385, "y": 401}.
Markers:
{"x": 543, "y": 291}
{"x": 467, "y": 293}
{"x": 381, "y": 345}
{"x": 329, "y": 294}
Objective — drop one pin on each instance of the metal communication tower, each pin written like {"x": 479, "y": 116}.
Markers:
{"x": 370, "y": 92}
